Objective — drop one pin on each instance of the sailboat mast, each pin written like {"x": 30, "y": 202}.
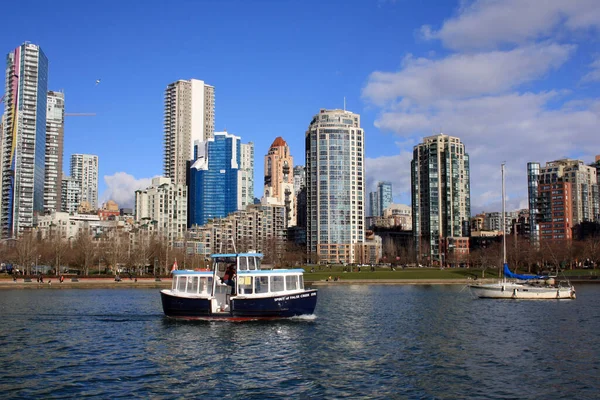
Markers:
{"x": 503, "y": 220}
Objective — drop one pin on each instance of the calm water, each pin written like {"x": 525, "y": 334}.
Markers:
{"x": 364, "y": 342}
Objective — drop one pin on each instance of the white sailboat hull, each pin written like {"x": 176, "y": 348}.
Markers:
{"x": 512, "y": 290}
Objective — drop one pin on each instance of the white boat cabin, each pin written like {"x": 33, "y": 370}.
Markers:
{"x": 249, "y": 279}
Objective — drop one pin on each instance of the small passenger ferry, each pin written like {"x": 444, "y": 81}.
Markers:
{"x": 236, "y": 288}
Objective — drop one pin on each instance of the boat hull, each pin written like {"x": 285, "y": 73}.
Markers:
{"x": 289, "y": 305}
{"x": 246, "y": 308}
{"x": 521, "y": 291}
{"x": 179, "y": 306}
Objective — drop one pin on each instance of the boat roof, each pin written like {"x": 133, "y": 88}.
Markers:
{"x": 236, "y": 255}
{"x": 191, "y": 272}
{"x": 244, "y": 272}
{"x": 270, "y": 271}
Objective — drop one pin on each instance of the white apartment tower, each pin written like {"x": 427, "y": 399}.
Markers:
{"x": 165, "y": 203}
{"x": 189, "y": 118}
{"x": 84, "y": 169}
{"x": 335, "y": 184}
{"x": 246, "y": 176}
{"x": 71, "y": 194}
{"x": 23, "y": 139}
{"x": 55, "y": 130}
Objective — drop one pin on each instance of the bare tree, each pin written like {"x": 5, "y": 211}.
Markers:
{"x": 59, "y": 249}
{"x": 114, "y": 250}
{"x": 26, "y": 251}
{"x": 84, "y": 251}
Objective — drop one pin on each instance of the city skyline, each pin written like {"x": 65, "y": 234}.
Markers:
{"x": 516, "y": 92}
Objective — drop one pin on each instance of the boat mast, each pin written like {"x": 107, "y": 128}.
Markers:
{"x": 503, "y": 220}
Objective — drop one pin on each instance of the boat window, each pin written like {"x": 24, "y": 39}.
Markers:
{"x": 257, "y": 262}
{"x": 300, "y": 282}
{"x": 181, "y": 283}
{"x": 205, "y": 285}
{"x": 245, "y": 285}
{"x": 261, "y": 284}
{"x": 243, "y": 264}
{"x": 291, "y": 282}
{"x": 192, "y": 284}
{"x": 251, "y": 263}
{"x": 277, "y": 284}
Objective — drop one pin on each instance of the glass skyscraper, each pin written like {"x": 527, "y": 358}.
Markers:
{"x": 213, "y": 179}
{"x": 441, "y": 194}
{"x": 335, "y": 186}
{"x": 23, "y": 139}
{"x": 380, "y": 199}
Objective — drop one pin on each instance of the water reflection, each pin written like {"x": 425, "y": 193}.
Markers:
{"x": 366, "y": 341}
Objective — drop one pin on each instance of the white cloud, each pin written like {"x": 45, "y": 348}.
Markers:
{"x": 516, "y": 128}
{"x": 121, "y": 188}
{"x": 465, "y": 75}
{"x": 391, "y": 169}
{"x": 488, "y": 24}
{"x": 594, "y": 74}
{"x": 487, "y": 93}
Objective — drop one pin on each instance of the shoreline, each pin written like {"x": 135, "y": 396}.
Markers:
{"x": 165, "y": 283}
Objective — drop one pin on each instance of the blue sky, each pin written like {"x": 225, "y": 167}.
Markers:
{"x": 516, "y": 80}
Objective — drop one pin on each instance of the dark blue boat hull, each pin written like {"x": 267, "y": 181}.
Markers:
{"x": 286, "y": 306}
{"x": 174, "y": 306}
{"x": 242, "y": 309}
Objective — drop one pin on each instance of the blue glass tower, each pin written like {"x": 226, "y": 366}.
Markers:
{"x": 384, "y": 190}
{"x": 213, "y": 179}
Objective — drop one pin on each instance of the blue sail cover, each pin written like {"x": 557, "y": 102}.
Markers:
{"x": 509, "y": 274}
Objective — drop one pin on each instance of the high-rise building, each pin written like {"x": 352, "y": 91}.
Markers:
{"x": 246, "y": 176}
{"x": 71, "y": 194}
{"x": 533, "y": 180}
{"x": 380, "y": 199}
{"x": 299, "y": 178}
{"x": 374, "y": 204}
{"x": 84, "y": 169}
{"x": 335, "y": 183}
{"x": 55, "y": 130}
{"x": 596, "y": 164}
{"x": 165, "y": 203}
{"x": 441, "y": 196}
{"x": 189, "y": 118}
{"x": 555, "y": 210}
{"x": 213, "y": 179}
{"x": 384, "y": 189}
{"x": 23, "y": 139}
{"x": 279, "y": 179}
{"x": 583, "y": 194}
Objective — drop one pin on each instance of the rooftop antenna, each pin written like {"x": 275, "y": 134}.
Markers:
{"x": 344, "y": 103}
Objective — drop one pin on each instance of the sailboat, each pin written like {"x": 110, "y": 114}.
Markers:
{"x": 516, "y": 286}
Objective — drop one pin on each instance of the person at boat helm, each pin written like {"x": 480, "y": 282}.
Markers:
{"x": 229, "y": 275}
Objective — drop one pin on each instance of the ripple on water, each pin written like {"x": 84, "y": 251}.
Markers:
{"x": 375, "y": 342}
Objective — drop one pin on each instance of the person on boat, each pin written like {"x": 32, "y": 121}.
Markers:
{"x": 229, "y": 275}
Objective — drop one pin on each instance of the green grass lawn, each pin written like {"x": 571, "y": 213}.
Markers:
{"x": 386, "y": 273}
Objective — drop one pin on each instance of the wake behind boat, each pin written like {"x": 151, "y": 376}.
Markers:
{"x": 236, "y": 288}
{"x": 521, "y": 286}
